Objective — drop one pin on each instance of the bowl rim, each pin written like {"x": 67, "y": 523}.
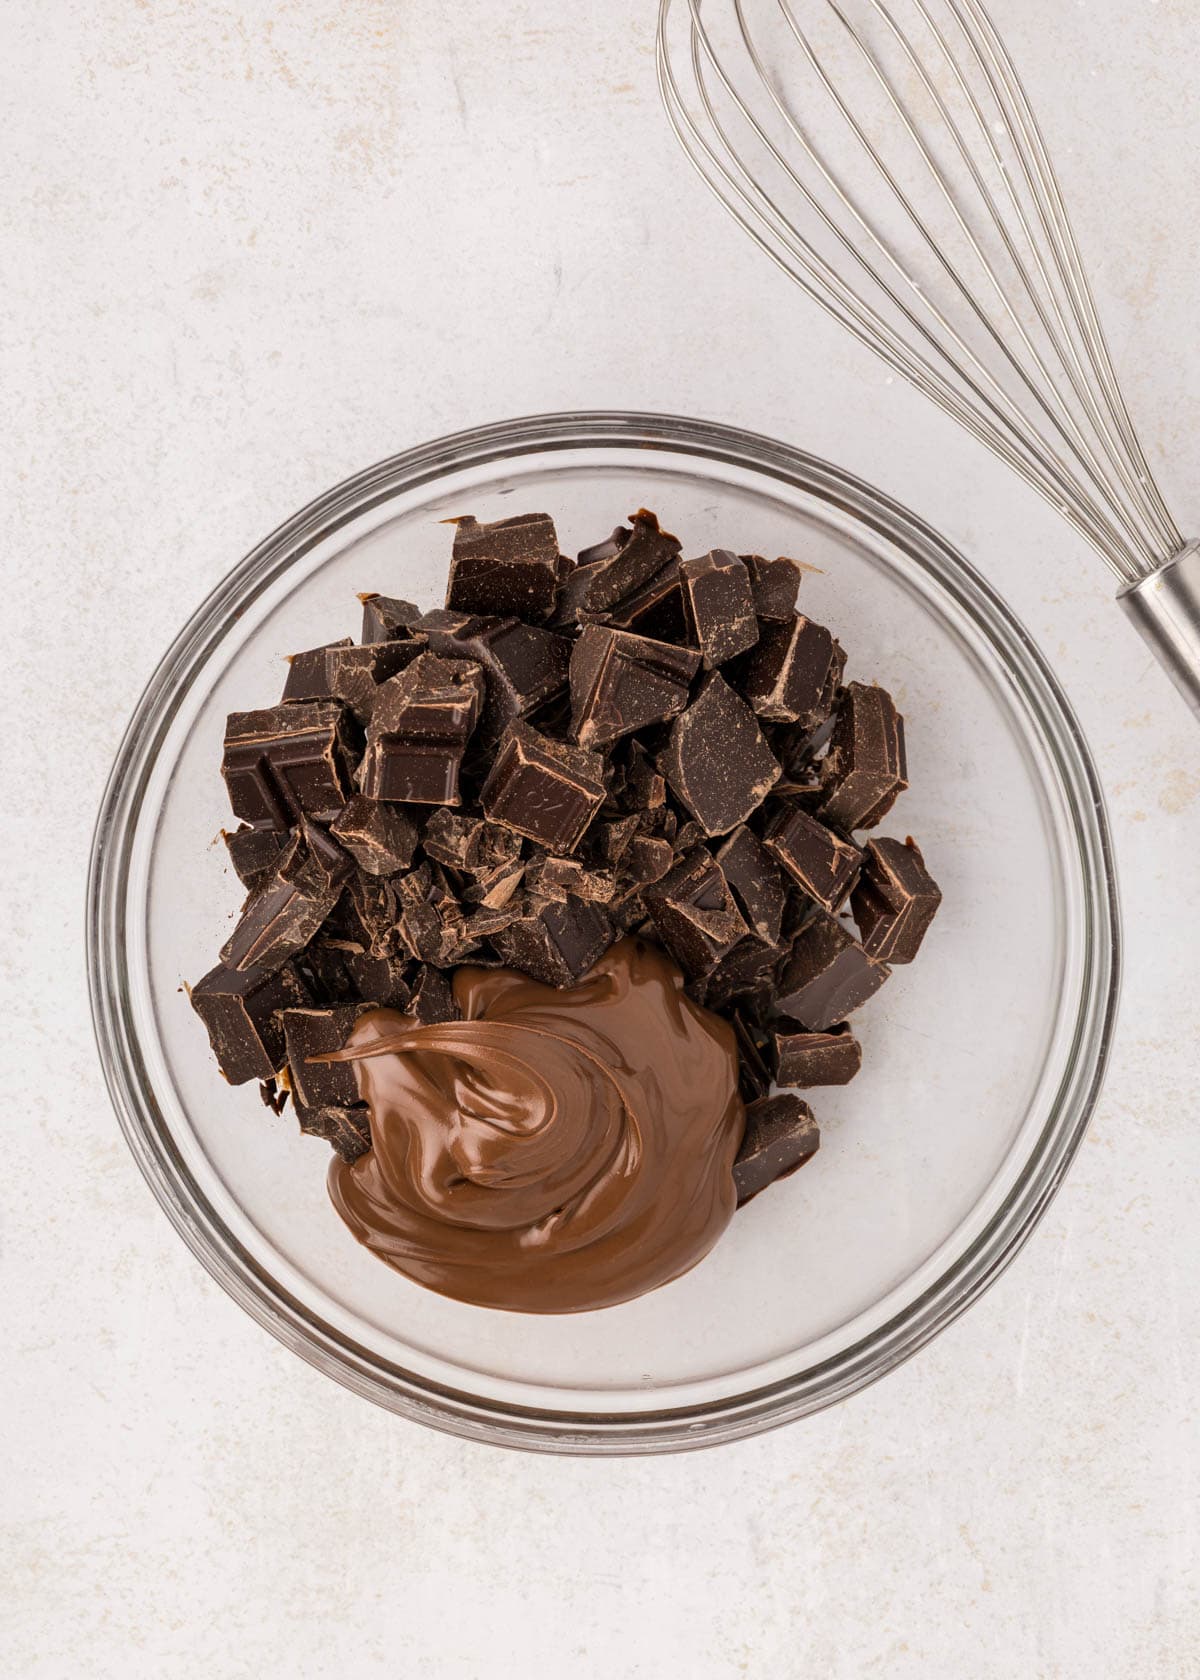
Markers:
{"x": 655, "y": 1429}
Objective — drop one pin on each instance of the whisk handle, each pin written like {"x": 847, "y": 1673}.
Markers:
{"x": 1166, "y": 609}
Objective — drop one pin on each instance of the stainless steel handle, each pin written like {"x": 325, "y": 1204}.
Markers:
{"x": 1166, "y": 609}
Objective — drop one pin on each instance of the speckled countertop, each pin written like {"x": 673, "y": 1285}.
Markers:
{"x": 247, "y": 248}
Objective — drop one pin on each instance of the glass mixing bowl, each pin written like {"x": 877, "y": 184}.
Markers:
{"x": 981, "y": 1062}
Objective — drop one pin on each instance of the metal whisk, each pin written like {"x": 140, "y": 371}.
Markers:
{"x": 885, "y": 155}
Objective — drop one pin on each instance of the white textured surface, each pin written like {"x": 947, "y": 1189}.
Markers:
{"x": 245, "y": 249}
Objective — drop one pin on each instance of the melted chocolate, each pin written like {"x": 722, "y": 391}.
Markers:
{"x": 553, "y": 1151}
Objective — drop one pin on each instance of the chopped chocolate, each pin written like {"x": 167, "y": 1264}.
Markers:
{"x": 774, "y": 585}
{"x": 716, "y": 761}
{"x": 755, "y": 881}
{"x": 280, "y": 917}
{"x": 642, "y": 556}
{"x": 610, "y": 839}
{"x": 793, "y": 673}
{"x": 744, "y": 973}
{"x": 254, "y": 852}
{"x": 815, "y": 1058}
{"x": 379, "y": 837}
{"x": 274, "y": 1096}
{"x": 646, "y": 860}
{"x": 387, "y": 619}
{"x": 820, "y": 861}
{"x": 895, "y": 900}
{"x": 509, "y": 568}
{"x": 657, "y": 609}
{"x": 544, "y": 789}
{"x": 621, "y": 682}
{"x": 382, "y": 981}
{"x": 827, "y": 976}
{"x": 419, "y": 730}
{"x": 555, "y": 877}
{"x": 605, "y": 550}
{"x": 694, "y": 913}
{"x": 494, "y": 887}
{"x": 288, "y": 761}
{"x": 432, "y": 1001}
{"x": 469, "y": 843}
{"x": 524, "y": 666}
{"x": 240, "y": 1012}
{"x": 645, "y": 788}
{"x": 366, "y": 915}
{"x": 557, "y": 943}
{"x": 347, "y": 1129}
{"x": 781, "y": 1135}
{"x": 431, "y": 924}
{"x": 865, "y": 769}
{"x": 720, "y": 605}
{"x": 344, "y": 672}
{"x": 754, "y": 1074}
{"x": 315, "y": 1032}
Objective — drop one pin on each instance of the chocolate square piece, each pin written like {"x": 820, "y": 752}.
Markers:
{"x": 895, "y": 901}
{"x": 419, "y": 730}
{"x": 822, "y": 862}
{"x": 508, "y": 569}
{"x": 621, "y": 682}
{"x": 827, "y": 976}
{"x": 286, "y": 762}
{"x": 387, "y": 619}
{"x": 344, "y": 672}
{"x": 280, "y": 917}
{"x": 642, "y": 556}
{"x": 716, "y": 760}
{"x": 781, "y": 1135}
{"x": 254, "y": 852}
{"x": 558, "y": 943}
{"x": 865, "y": 769}
{"x": 757, "y": 885}
{"x": 380, "y": 838}
{"x": 694, "y": 913}
{"x": 720, "y": 605}
{"x": 544, "y": 789}
{"x": 524, "y": 665}
{"x": 774, "y": 584}
{"x": 241, "y": 1014}
{"x": 347, "y": 1129}
{"x": 815, "y": 1058}
{"x": 793, "y": 673}
{"x": 315, "y": 1032}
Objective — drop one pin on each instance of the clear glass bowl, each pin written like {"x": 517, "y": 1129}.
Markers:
{"x": 982, "y": 1060}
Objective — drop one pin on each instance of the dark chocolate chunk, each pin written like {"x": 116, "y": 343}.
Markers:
{"x": 241, "y": 1016}
{"x": 254, "y": 852}
{"x": 774, "y": 584}
{"x": 469, "y": 843}
{"x": 646, "y": 860}
{"x": 621, "y": 682}
{"x": 822, "y": 862}
{"x": 287, "y": 762}
{"x": 607, "y": 549}
{"x": 716, "y": 760}
{"x": 419, "y": 730}
{"x": 315, "y": 1032}
{"x": 827, "y": 976}
{"x": 753, "y": 1041}
{"x": 720, "y": 605}
{"x": 509, "y": 568}
{"x": 494, "y": 886}
{"x": 815, "y": 1058}
{"x": 274, "y": 1096}
{"x": 865, "y": 769}
{"x": 694, "y": 913}
{"x": 280, "y": 917}
{"x": 610, "y": 838}
{"x": 558, "y": 943}
{"x": 756, "y": 883}
{"x": 544, "y": 789}
{"x": 895, "y": 900}
{"x": 744, "y": 973}
{"x": 524, "y": 666}
{"x": 366, "y": 915}
{"x": 432, "y": 1000}
{"x": 556, "y": 877}
{"x": 387, "y": 619}
{"x": 781, "y": 1135}
{"x": 657, "y": 609}
{"x": 642, "y": 556}
{"x": 431, "y": 923}
{"x": 347, "y": 1129}
{"x": 382, "y": 981}
{"x": 379, "y": 837}
{"x": 347, "y": 673}
{"x": 793, "y": 673}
